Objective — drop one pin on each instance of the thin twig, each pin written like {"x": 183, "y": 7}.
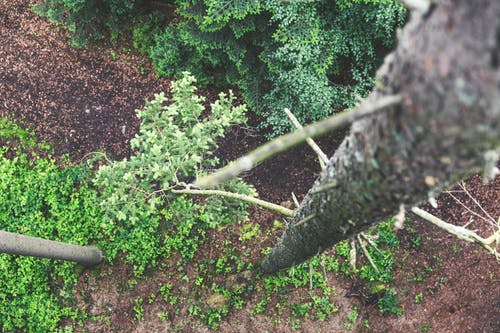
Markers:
{"x": 325, "y": 187}
{"x": 304, "y": 220}
{"x": 370, "y": 241}
{"x": 295, "y": 201}
{"x": 352, "y": 254}
{"x": 470, "y": 210}
{"x": 323, "y": 159}
{"x": 323, "y": 266}
{"x": 290, "y": 140}
{"x": 476, "y": 202}
{"x": 84, "y": 157}
{"x": 367, "y": 255}
{"x": 311, "y": 272}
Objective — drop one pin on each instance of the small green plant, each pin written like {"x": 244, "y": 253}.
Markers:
{"x": 14, "y": 137}
{"x": 389, "y": 303}
{"x": 312, "y": 274}
{"x": 455, "y": 248}
{"x": 323, "y": 306}
{"x": 352, "y": 317}
{"x": 249, "y": 231}
{"x": 342, "y": 264}
{"x": 300, "y": 310}
{"x": 419, "y": 277}
{"x": 442, "y": 282}
{"x": 296, "y": 324}
{"x": 40, "y": 199}
{"x": 419, "y": 298}
{"x": 425, "y": 328}
{"x": 143, "y": 70}
{"x": 165, "y": 291}
{"x": 11, "y": 131}
{"x": 139, "y": 309}
{"x": 174, "y": 145}
{"x": 415, "y": 241}
{"x": 382, "y": 253}
{"x": 162, "y": 315}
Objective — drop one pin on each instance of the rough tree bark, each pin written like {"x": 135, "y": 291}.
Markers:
{"x": 12, "y": 243}
{"x": 446, "y": 70}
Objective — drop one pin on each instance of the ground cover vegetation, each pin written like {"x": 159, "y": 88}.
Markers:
{"x": 143, "y": 223}
{"x": 126, "y": 209}
{"x": 40, "y": 198}
{"x": 313, "y": 57}
{"x": 37, "y": 198}
{"x": 117, "y": 207}
{"x": 173, "y": 145}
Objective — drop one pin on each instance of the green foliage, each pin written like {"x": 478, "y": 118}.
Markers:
{"x": 300, "y": 310}
{"x": 139, "y": 308}
{"x": 382, "y": 255}
{"x": 173, "y": 146}
{"x": 139, "y": 217}
{"x": 186, "y": 225}
{"x": 314, "y": 57}
{"x": 352, "y": 317}
{"x": 17, "y": 138}
{"x": 10, "y": 132}
{"x": 389, "y": 303}
{"x": 425, "y": 328}
{"x": 249, "y": 231}
{"x": 145, "y": 31}
{"x": 419, "y": 298}
{"x": 311, "y": 274}
{"x": 39, "y": 199}
{"x": 89, "y": 20}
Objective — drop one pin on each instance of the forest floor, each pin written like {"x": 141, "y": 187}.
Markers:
{"x": 83, "y": 101}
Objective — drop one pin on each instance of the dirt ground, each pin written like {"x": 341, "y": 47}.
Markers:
{"x": 83, "y": 101}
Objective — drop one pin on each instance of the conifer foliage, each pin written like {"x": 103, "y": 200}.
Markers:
{"x": 314, "y": 57}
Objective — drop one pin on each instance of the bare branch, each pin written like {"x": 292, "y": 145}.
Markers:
{"x": 265, "y": 204}
{"x": 295, "y": 200}
{"x": 290, "y": 140}
{"x": 462, "y": 186}
{"x": 470, "y": 210}
{"x": 304, "y": 220}
{"x": 323, "y": 159}
{"x": 12, "y": 243}
{"x": 352, "y": 254}
{"x": 460, "y": 232}
{"x": 370, "y": 241}
{"x": 367, "y": 254}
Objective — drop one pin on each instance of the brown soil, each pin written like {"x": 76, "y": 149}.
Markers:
{"x": 82, "y": 101}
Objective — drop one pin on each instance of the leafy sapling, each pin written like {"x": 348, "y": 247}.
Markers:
{"x": 174, "y": 145}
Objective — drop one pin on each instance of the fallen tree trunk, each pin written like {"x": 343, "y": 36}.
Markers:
{"x": 446, "y": 71}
